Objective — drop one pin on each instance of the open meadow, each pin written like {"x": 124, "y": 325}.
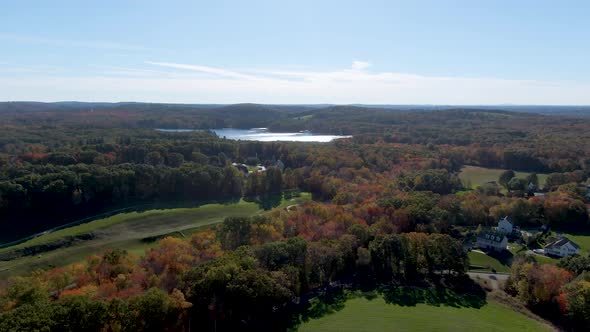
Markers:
{"x": 476, "y": 176}
{"x": 133, "y": 232}
{"x": 361, "y": 314}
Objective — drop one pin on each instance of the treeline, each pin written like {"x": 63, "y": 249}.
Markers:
{"x": 61, "y": 178}
{"x": 427, "y": 211}
{"x": 490, "y": 138}
{"x": 76, "y": 173}
{"x": 250, "y": 275}
{"x": 541, "y": 159}
{"x": 144, "y": 115}
{"x": 433, "y": 200}
{"x": 389, "y": 209}
{"x": 560, "y": 293}
{"x": 407, "y": 185}
{"x": 49, "y": 196}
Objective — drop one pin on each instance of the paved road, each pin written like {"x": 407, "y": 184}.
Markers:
{"x": 493, "y": 279}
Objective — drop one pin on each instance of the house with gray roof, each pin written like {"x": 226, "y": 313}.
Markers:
{"x": 490, "y": 240}
{"x": 562, "y": 247}
{"x": 505, "y": 226}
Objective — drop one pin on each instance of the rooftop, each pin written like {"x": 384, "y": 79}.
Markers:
{"x": 561, "y": 242}
{"x": 492, "y": 236}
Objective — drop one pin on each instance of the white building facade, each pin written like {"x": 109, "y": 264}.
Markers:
{"x": 492, "y": 240}
{"x": 562, "y": 247}
{"x": 505, "y": 226}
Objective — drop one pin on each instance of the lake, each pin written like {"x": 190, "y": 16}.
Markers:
{"x": 263, "y": 135}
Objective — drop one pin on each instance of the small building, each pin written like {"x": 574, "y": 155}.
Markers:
{"x": 242, "y": 168}
{"x": 505, "y": 226}
{"x": 492, "y": 240}
{"x": 562, "y": 247}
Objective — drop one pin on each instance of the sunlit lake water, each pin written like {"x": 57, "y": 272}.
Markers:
{"x": 263, "y": 135}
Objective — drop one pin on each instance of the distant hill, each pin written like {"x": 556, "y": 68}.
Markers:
{"x": 409, "y": 122}
{"x": 30, "y": 106}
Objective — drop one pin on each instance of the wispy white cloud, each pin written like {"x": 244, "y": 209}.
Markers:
{"x": 356, "y": 72}
{"x": 134, "y": 72}
{"x": 205, "y": 69}
{"x": 189, "y": 83}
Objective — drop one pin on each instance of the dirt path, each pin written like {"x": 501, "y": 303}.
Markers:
{"x": 493, "y": 280}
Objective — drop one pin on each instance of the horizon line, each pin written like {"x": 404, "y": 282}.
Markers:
{"x": 290, "y": 104}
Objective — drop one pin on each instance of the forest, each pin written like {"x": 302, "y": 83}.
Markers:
{"x": 388, "y": 210}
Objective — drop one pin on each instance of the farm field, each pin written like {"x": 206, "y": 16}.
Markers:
{"x": 360, "y": 314}
{"x": 478, "y": 175}
{"x": 128, "y": 231}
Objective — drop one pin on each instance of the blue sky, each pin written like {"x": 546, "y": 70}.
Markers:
{"x": 372, "y": 52}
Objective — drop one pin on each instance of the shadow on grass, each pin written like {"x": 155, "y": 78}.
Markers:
{"x": 435, "y": 296}
{"x": 325, "y": 303}
{"x": 457, "y": 292}
{"x": 266, "y": 201}
{"x": 505, "y": 257}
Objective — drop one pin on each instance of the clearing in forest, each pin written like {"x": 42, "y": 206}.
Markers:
{"x": 361, "y": 314}
{"x": 476, "y": 176}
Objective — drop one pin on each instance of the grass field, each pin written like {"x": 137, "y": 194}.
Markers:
{"x": 546, "y": 259}
{"x": 126, "y": 231}
{"x": 151, "y": 218}
{"x": 479, "y": 175}
{"x": 360, "y": 314}
{"x": 487, "y": 262}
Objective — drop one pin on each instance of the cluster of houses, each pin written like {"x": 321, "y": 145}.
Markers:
{"x": 496, "y": 239}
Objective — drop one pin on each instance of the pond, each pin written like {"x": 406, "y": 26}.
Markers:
{"x": 263, "y": 135}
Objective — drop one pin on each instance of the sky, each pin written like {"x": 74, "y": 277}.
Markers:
{"x": 297, "y": 52}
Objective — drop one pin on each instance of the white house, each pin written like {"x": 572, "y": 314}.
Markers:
{"x": 562, "y": 247}
{"x": 505, "y": 226}
{"x": 492, "y": 240}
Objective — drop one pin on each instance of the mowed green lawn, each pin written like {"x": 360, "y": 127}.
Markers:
{"x": 360, "y": 314}
{"x": 127, "y": 231}
{"x": 486, "y": 262}
{"x": 480, "y": 175}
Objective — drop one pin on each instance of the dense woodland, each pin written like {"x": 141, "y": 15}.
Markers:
{"x": 388, "y": 209}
